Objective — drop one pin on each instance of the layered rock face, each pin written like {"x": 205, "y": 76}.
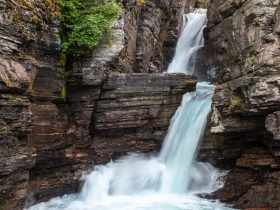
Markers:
{"x": 134, "y": 110}
{"x": 16, "y": 157}
{"x": 29, "y": 71}
{"x": 243, "y": 134}
{"x": 126, "y": 113}
{"x": 47, "y": 142}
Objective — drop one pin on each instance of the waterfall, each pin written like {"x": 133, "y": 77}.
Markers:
{"x": 183, "y": 138}
{"x": 190, "y": 119}
{"x": 191, "y": 39}
{"x": 172, "y": 179}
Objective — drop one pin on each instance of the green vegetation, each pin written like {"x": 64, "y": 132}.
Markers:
{"x": 142, "y": 1}
{"x": 201, "y": 4}
{"x": 253, "y": 60}
{"x": 32, "y": 92}
{"x": 84, "y": 23}
{"x": 5, "y": 129}
{"x": 235, "y": 101}
{"x": 26, "y": 3}
{"x": 63, "y": 94}
{"x": 16, "y": 100}
{"x": 5, "y": 78}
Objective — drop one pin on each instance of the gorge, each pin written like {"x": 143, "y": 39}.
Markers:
{"x": 118, "y": 101}
{"x": 151, "y": 180}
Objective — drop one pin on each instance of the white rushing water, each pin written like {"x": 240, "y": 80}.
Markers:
{"x": 191, "y": 39}
{"x": 172, "y": 179}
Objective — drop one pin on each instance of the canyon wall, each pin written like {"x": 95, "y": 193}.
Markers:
{"x": 243, "y": 133}
{"x": 30, "y": 75}
{"x": 53, "y": 126}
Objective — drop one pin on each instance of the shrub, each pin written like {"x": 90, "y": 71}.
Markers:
{"x": 84, "y": 23}
{"x": 235, "y": 102}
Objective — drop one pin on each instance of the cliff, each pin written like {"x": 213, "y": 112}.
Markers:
{"x": 30, "y": 73}
{"x": 54, "y": 127}
{"x": 115, "y": 101}
{"x": 243, "y": 133}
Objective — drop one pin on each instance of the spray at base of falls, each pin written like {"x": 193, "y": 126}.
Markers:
{"x": 171, "y": 180}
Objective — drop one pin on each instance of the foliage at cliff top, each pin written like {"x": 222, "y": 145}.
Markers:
{"x": 84, "y": 23}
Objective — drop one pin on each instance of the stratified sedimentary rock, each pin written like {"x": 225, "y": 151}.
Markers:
{"x": 243, "y": 129}
{"x": 29, "y": 72}
{"x": 134, "y": 110}
{"x": 45, "y": 141}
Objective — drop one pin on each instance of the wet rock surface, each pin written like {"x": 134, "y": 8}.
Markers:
{"x": 243, "y": 128}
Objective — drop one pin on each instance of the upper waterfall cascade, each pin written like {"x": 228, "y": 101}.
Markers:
{"x": 191, "y": 38}
{"x": 172, "y": 179}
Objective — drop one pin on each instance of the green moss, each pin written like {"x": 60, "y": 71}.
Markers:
{"x": 250, "y": 60}
{"x": 62, "y": 59}
{"x": 253, "y": 60}
{"x": 201, "y": 4}
{"x": 6, "y": 80}
{"x": 16, "y": 100}
{"x": 34, "y": 19}
{"x": 32, "y": 92}
{"x": 84, "y": 23}
{"x": 5, "y": 129}
{"x": 235, "y": 101}
{"x": 63, "y": 94}
{"x": 48, "y": 3}
{"x": 53, "y": 9}
{"x": 15, "y": 17}
{"x": 26, "y": 3}
{"x": 142, "y": 2}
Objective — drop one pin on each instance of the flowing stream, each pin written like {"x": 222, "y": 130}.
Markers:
{"x": 171, "y": 180}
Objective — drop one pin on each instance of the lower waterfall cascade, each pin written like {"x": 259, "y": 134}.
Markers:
{"x": 173, "y": 179}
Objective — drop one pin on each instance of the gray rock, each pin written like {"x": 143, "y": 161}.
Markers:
{"x": 243, "y": 36}
{"x": 272, "y": 124}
